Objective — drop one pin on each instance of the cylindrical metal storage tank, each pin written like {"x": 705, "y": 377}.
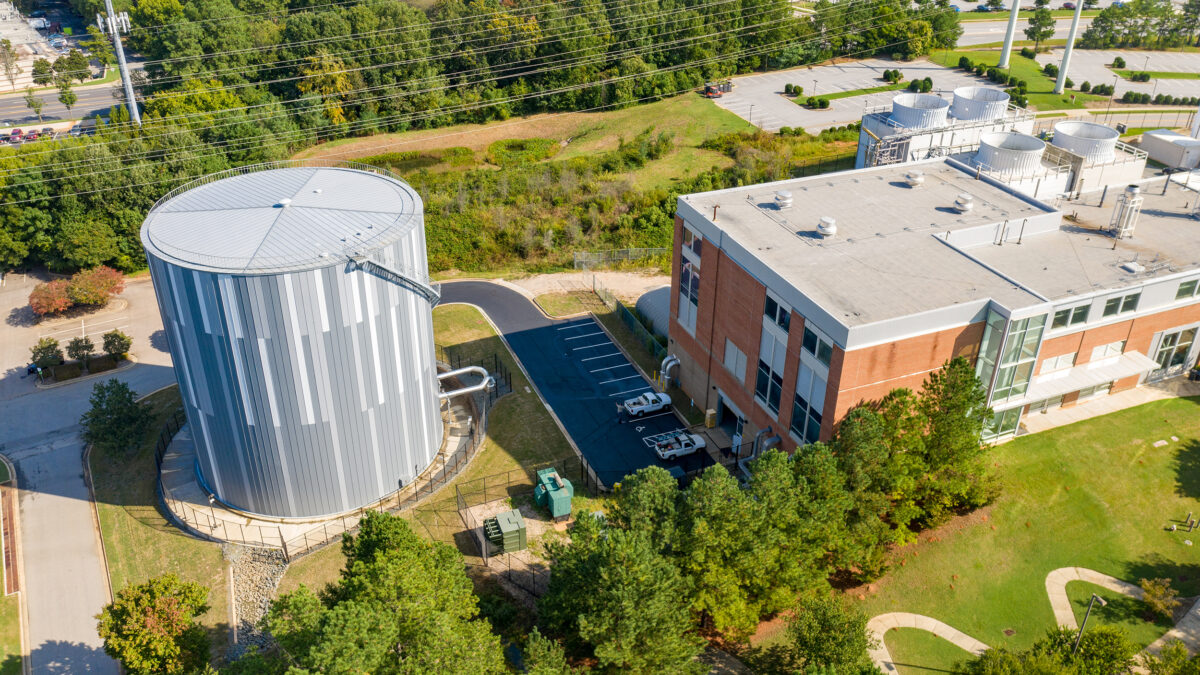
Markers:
{"x": 655, "y": 307}
{"x": 308, "y": 376}
{"x": 919, "y": 111}
{"x": 979, "y": 103}
{"x": 1094, "y": 142}
{"x": 1010, "y": 152}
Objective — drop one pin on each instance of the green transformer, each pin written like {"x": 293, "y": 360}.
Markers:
{"x": 554, "y": 492}
{"x": 506, "y": 531}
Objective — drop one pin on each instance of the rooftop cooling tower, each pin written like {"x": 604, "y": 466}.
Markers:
{"x": 1096, "y": 143}
{"x": 1010, "y": 152}
{"x": 919, "y": 111}
{"x": 979, "y": 103}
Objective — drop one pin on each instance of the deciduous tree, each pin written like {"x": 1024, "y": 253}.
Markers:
{"x": 50, "y": 297}
{"x": 825, "y": 632}
{"x": 9, "y": 63}
{"x": 95, "y": 286}
{"x": 33, "y": 102}
{"x": 46, "y": 353}
{"x": 80, "y": 348}
{"x": 151, "y": 627}
{"x": 117, "y": 344}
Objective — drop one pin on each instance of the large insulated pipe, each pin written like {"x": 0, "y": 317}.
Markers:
{"x": 1008, "y": 36}
{"x": 488, "y": 382}
{"x": 1059, "y": 85}
{"x": 665, "y": 368}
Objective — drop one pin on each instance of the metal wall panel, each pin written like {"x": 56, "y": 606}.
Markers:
{"x": 311, "y": 392}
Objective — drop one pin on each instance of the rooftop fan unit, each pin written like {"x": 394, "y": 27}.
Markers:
{"x": 1125, "y": 216}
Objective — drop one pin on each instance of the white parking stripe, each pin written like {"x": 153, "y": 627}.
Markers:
{"x": 619, "y": 365}
{"x": 630, "y": 391}
{"x": 619, "y": 379}
{"x": 598, "y": 344}
{"x": 602, "y": 356}
{"x": 576, "y": 337}
{"x": 577, "y": 325}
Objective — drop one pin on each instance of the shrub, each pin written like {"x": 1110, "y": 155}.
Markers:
{"x": 787, "y": 89}
{"x": 1118, "y": 62}
{"x": 812, "y": 101}
{"x": 117, "y": 344}
{"x": 458, "y": 156}
{"x": 1141, "y": 76}
{"x": 101, "y": 364}
{"x": 1159, "y": 596}
{"x": 50, "y": 298}
{"x": 80, "y": 348}
{"x": 823, "y": 103}
{"x": 1068, "y": 83}
{"x": 914, "y": 86}
{"x": 979, "y": 70}
{"x": 521, "y": 151}
{"x": 1012, "y": 80}
{"x": 95, "y": 286}
{"x": 1028, "y": 52}
{"x": 797, "y": 90}
{"x": 1085, "y": 87}
{"x": 66, "y": 371}
{"x": 927, "y": 85}
{"x": 46, "y": 353}
{"x": 965, "y": 63}
{"x": 1050, "y": 70}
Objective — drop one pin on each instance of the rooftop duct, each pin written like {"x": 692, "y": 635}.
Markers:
{"x": 827, "y": 227}
{"x": 979, "y": 103}
{"x": 1010, "y": 152}
{"x": 783, "y": 199}
{"x": 964, "y": 203}
{"x": 1124, "y": 218}
{"x": 919, "y": 111}
{"x": 915, "y": 178}
{"x": 1096, "y": 143}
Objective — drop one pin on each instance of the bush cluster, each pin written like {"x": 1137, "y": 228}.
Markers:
{"x": 921, "y": 86}
{"x": 1141, "y": 76}
{"x": 815, "y": 102}
{"x": 892, "y": 76}
{"x": 521, "y": 151}
{"x": 87, "y": 287}
{"x": 793, "y": 90}
{"x": 1118, "y": 62}
{"x": 1101, "y": 89}
{"x": 1158, "y": 99}
{"x": 1028, "y": 52}
{"x": 1050, "y": 70}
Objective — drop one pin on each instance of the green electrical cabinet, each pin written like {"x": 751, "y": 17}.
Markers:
{"x": 506, "y": 531}
{"x": 554, "y": 492}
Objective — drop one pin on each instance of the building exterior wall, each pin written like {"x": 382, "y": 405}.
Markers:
{"x": 308, "y": 393}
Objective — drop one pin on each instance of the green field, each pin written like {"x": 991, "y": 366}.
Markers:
{"x": 1157, "y": 74}
{"x": 1094, "y": 494}
{"x": 138, "y": 541}
{"x": 562, "y": 304}
{"x": 1121, "y": 610}
{"x": 1040, "y": 87}
{"x": 10, "y": 635}
{"x": 1024, "y": 14}
{"x": 918, "y": 651}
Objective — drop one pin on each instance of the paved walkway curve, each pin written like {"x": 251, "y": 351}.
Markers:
{"x": 880, "y": 625}
{"x": 1186, "y": 631}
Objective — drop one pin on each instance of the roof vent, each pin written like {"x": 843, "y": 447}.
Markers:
{"x": 783, "y": 199}
{"x": 1133, "y": 267}
{"x": 827, "y": 227}
{"x": 283, "y": 203}
{"x": 964, "y": 203}
{"x": 1125, "y": 216}
{"x": 915, "y": 178}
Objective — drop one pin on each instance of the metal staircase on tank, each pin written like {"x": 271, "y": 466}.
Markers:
{"x": 419, "y": 283}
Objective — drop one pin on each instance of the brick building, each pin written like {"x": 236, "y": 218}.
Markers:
{"x": 794, "y": 301}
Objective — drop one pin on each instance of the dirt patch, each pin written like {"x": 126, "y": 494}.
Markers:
{"x": 628, "y": 286}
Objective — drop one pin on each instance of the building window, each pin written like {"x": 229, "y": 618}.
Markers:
{"x": 807, "y": 406}
{"x": 735, "y": 361}
{"x": 1003, "y": 424}
{"x": 989, "y": 348}
{"x": 1018, "y": 357}
{"x": 1058, "y": 363}
{"x": 1174, "y": 348}
{"x": 817, "y": 346}
{"x": 689, "y": 295}
{"x": 1108, "y": 351}
{"x": 1186, "y": 289}
{"x": 1071, "y": 316}
{"x": 779, "y": 313}
{"x": 1122, "y": 304}
{"x": 768, "y": 383}
{"x": 693, "y": 243}
{"x": 1097, "y": 390}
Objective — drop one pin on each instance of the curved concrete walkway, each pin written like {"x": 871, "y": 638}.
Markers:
{"x": 1186, "y": 631}
{"x": 880, "y": 625}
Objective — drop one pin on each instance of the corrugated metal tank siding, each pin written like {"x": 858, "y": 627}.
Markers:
{"x": 308, "y": 393}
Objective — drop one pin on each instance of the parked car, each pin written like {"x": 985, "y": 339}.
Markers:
{"x": 982, "y": 8}
{"x": 47, "y": 132}
{"x": 31, "y": 136}
{"x": 678, "y": 444}
{"x": 1068, "y": 5}
{"x": 76, "y": 131}
{"x": 37, "y": 14}
{"x": 955, "y": 8}
{"x": 15, "y": 135}
{"x": 647, "y": 403}
{"x": 3, "y": 138}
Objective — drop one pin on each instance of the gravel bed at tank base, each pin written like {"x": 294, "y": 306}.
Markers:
{"x": 256, "y": 576}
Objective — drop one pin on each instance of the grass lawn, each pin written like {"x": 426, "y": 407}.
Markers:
{"x": 562, "y": 304}
{"x": 1023, "y": 15}
{"x": 1093, "y": 494}
{"x": 1041, "y": 87}
{"x": 520, "y": 433}
{"x": 138, "y": 541}
{"x": 918, "y": 651}
{"x": 1121, "y": 610}
{"x": 799, "y": 100}
{"x": 4, "y": 477}
{"x": 1157, "y": 74}
{"x": 10, "y": 635}
{"x": 689, "y": 118}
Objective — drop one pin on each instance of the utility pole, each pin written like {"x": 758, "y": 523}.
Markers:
{"x": 1062, "y": 71}
{"x": 1008, "y": 37}
{"x": 115, "y": 24}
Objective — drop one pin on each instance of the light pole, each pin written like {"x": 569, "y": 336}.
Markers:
{"x": 751, "y": 114}
{"x": 1111, "y": 96}
{"x": 1083, "y": 625}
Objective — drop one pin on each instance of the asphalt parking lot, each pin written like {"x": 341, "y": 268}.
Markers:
{"x": 583, "y": 376}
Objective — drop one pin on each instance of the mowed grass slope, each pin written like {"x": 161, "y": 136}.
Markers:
{"x": 138, "y": 541}
{"x": 1094, "y": 494}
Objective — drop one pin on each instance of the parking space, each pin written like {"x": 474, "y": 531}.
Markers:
{"x": 585, "y": 378}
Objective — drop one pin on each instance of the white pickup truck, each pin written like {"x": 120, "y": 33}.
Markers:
{"x": 678, "y": 445}
{"x": 650, "y": 402}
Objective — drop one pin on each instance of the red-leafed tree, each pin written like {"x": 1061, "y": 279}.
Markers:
{"x": 50, "y": 298}
{"x": 95, "y": 286}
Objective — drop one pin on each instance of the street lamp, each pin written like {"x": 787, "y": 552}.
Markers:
{"x": 751, "y": 120}
{"x": 1083, "y": 625}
